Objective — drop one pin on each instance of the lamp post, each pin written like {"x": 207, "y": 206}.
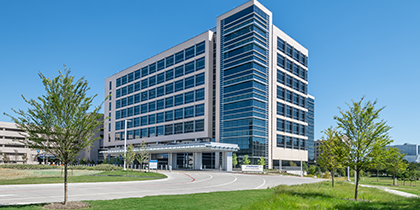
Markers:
{"x": 125, "y": 140}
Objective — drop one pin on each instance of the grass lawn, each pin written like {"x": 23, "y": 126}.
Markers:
{"x": 307, "y": 196}
{"x": 54, "y": 176}
{"x": 387, "y": 182}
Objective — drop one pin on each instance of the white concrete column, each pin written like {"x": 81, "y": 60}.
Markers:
{"x": 172, "y": 160}
{"x": 227, "y": 161}
{"x": 198, "y": 160}
{"x": 216, "y": 160}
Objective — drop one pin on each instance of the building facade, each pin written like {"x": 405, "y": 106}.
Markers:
{"x": 411, "y": 151}
{"x": 242, "y": 83}
{"x": 12, "y": 151}
{"x": 310, "y": 144}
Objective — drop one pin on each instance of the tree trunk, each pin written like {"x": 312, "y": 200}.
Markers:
{"x": 393, "y": 179}
{"x": 332, "y": 175}
{"x": 377, "y": 175}
{"x": 65, "y": 183}
{"x": 357, "y": 184}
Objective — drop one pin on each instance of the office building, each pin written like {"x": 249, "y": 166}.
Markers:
{"x": 239, "y": 87}
{"x": 411, "y": 151}
{"x": 310, "y": 143}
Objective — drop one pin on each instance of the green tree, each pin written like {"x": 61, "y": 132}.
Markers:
{"x": 25, "y": 158}
{"x": 261, "y": 161}
{"x": 246, "y": 160}
{"x": 312, "y": 170}
{"x": 379, "y": 158}
{"x": 305, "y": 166}
{"x": 129, "y": 156}
{"x": 395, "y": 162}
{"x": 331, "y": 151}
{"x": 58, "y": 122}
{"x": 364, "y": 133}
{"x": 142, "y": 153}
{"x": 234, "y": 160}
{"x": 82, "y": 161}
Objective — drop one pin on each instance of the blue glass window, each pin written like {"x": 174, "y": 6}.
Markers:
{"x": 169, "y": 74}
{"x": 137, "y": 134}
{"x": 169, "y": 116}
{"x": 144, "y": 108}
{"x": 179, "y": 99}
{"x": 152, "y": 119}
{"x": 189, "y": 52}
{"x": 169, "y": 61}
{"x": 178, "y": 127}
{"x": 123, "y": 113}
{"x": 179, "y": 71}
{"x": 124, "y": 91}
{"x": 161, "y": 77}
{"x": 130, "y": 111}
{"x": 280, "y": 125}
{"x": 169, "y": 102}
{"x": 160, "y": 104}
{"x": 144, "y": 133}
{"x": 152, "y": 106}
{"x": 169, "y": 129}
{"x": 189, "y": 112}
{"x": 152, "y": 81}
{"x": 118, "y": 82}
{"x": 280, "y": 44}
{"x": 199, "y": 125}
{"x": 137, "y": 86}
{"x": 160, "y": 91}
{"x": 169, "y": 88}
{"x": 280, "y": 109}
{"x": 118, "y": 93}
{"x": 189, "y": 82}
{"x": 280, "y": 77}
{"x": 179, "y": 85}
{"x": 189, "y": 97}
{"x": 280, "y": 93}
{"x": 289, "y": 65}
{"x": 137, "y": 110}
{"x": 199, "y": 64}
{"x": 295, "y": 69}
{"x": 124, "y": 79}
{"x": 144, "y": 84}
{"x": 118, "y": 114}
{"x": 144, "y": 120}
{"x": 137, "y": 74}
{"x": 123, "y": 102}
{"x": 145, "y": 71}
{"x": 189, "y": 67}
{"x": 160, "y": 130}
{"x": 136, "y": 122}
{"x": 189, "y": 127}
{"x": 289, "y": 50}
{"x": 200, "y": 48}
{"x": 144, "y": 96}
{"x": 179, "y": 113}
{"x": 152, "y": 93}
{"x": 152, "y": 131}
{"x": 152, "y": 68}
{"x": 118, "y": 104}
{"x": 199, "y": 79}
{"x": 160, "y": 64}
{"x": 199, "y": 94}
{"x": 179, "y": 57}
{"x": 131, "y": 77}
{"x": 280, "y": 61}
{"x": 199, "y": 110}
{"x": 160, "y": 117}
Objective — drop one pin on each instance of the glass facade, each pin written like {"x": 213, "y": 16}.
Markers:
{"x": 311, "y": 130}
{"x": 244, "y": 57}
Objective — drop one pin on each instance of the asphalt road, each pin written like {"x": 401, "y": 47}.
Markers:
{"x": 178, "y": 182}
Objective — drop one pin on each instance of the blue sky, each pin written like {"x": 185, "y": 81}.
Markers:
{"x": 355, "y": 48}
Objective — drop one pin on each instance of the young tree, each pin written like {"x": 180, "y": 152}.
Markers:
{"x": 395, "y": 162}
{"x": 379, "y": 158}
{"x": 331, "y": 151}
{"x": 25, "y": 158}
{"x": 6, "y": 158}
{"x": 234, "y": 160}
{"x": 130, "y": 155}
{"x": 58, "y": 122}
{"x": 261, "y": 161}
{"x": 364, "y": 132}
{"x": 246, "y": 160}
{"x": 142, "y": 153}
{"x": 305, "y": 166}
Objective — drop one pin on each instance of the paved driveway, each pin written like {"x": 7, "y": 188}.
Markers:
{"x": 178, "y": 182}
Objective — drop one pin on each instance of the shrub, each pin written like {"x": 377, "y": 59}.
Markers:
{"x": 312, "y": 170}
{"x": 327, "y": 175}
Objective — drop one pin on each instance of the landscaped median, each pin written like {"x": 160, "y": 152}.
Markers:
{"x": 40, "y": 174}
{"x": 307, "y": 196}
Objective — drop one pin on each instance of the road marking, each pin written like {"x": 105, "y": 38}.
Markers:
{"x": 261, "y": 185}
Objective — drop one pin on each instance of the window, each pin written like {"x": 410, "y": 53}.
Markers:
{"x": 118, "y": 93}
{"x": 280, "y": 109}
{"x": 295, "y": 69}
{"x": 295, "y": 99}
{"x": 280, "y": 77}
{"x": 288, "y": 96}
{"x": 289, "y": 111}
{"x": 169, "y": 102}
{"x": 280, "y": 141}
{"x": 189, "y": 127}
{"x": 200, "y": 48}
{"x": 199, "y": 110}
{"x": 289, "y": 65}
{"x": 296, "y": 55}
{"x": 288, "y": 127}
{"x": 137, "y": 74}
{"x": 118, "y": 82}
{"x": 130, "y": 88}
{"x": 160, "y": 91}
{"x": 179, "y": 99}
{"x": 289, "y": 50}
{"x": 199, "y": 125}
{"x": 189, "y": 52}
{"x": 179, "y": 71}
{"x": 295, "y": 84}
{"x": 152, "y": 81}
{"x": 152, "y": 132}
{"x": 178, "y": 128}
{"x": 280, "y": 44}
{"x": 144, "y": 120}
{"x": 189, "y": 82}
{"x": 144, "y": 96}
{"x": 110, "y": 85}
{"x": 199, "y": 79}
{"x": 288, "y": 142}
{"x": 280, "y": 125}
{"x": 169, "y": 88}
{"x": 152, "y": 106}
{"x": 161, "y": 78}
{"x": 152, "y": 68}
{"x": 295, "y": 114}
{"x": 280, "y": 61}
{"x": 144, "y": 133}
{"x": 137, "y": 134}
{"x": 168, "y": 129}
{"x": 109, "y": 106}
{"x": 280, "y": 93}
{"x": 169, "y": 74}
{"x": 199, "y": 64}
{"x": 288, "y": 81}
{"x": 160, "y": 117}
{"x": 130, "y": 111}
{"x": 137, "y": 110}
{"x": 189, "y": 97}
{"x": 169, "y": 116}
{"x": 144, "y": 84}
{"x": 160, "y": 64}
{"x": 199, "y": 94}
{"x": 179, "y": 113}
{"x": 137, "y": 86}
{"x": 152, "y": 93}
{"x": 136, "y": 122}
{"x": 169, "y": 61}
{"x": 152, "y": 119}
{"x": 189, "y": 67}
{"x": 179, "y": 57}
{"x": 160, "y": 104}
{"x": 160, "y": 130}
{"x": 179, "y": 85}
{"x": 137, "y": 98}
{"x": 189, "y": 112}
{"x": 144, "y": 108}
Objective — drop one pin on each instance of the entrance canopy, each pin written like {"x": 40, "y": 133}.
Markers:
{"x": 202, "y": 147}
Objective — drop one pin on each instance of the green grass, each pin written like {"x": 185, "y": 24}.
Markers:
{"x": 387, "y": 182}
{"x": 116, "y": 176}
{"x": 307, "y": 196}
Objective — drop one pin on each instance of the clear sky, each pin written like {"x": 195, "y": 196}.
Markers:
{"x": 355, "y": 47}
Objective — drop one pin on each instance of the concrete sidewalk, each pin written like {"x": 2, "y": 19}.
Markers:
{"x": 396, "y": 192}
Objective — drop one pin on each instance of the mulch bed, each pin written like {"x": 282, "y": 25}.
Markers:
{"x": 69, "y": 205}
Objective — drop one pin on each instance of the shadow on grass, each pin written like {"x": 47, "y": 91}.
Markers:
{"x": 287, "y": 190}
{"x": 24, "y": 206}
{"x": 406, "y": 203}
